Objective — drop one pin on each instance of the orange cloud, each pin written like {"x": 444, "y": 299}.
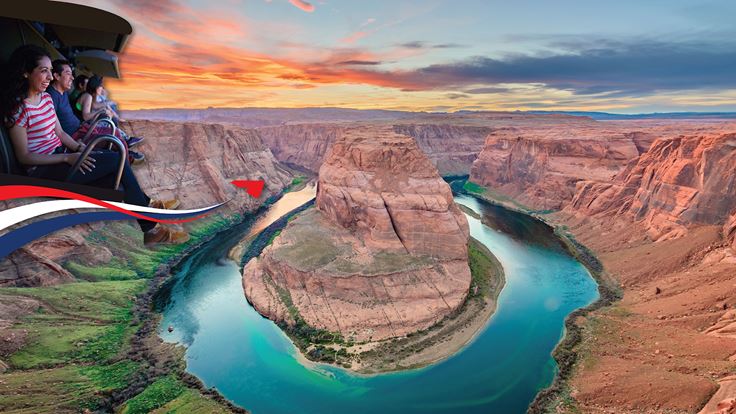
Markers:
{"x": 354, "y": 37}
{"x": 307, "y": 7}
{"x": 181, "y": 56}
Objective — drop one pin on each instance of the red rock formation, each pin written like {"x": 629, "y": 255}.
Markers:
{"x": 382, "y": 187}
{"x": 192, "y": 162}
{"x": 679, "y": 182}
{"x": 680, "y": 194}
{"x": 303, "y": 145}
{"x": 383, "y": 255}
{"x": 540, "y": 167}
{"x": 729, "y": 231}
{"x": 677, "y": 290}
{"x": 449, "y": 144}
{"x": 24, "y": 268}
{"x": 451, "y": 148}
{"x": 196, "y": 162}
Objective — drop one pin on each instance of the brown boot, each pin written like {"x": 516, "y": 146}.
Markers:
{"x": 164, "y": 235}
{"x": 165, "y": 204}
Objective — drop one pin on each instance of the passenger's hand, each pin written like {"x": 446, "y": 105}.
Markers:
{"x": 86, "y": 166}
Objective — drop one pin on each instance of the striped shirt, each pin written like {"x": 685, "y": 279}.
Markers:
{"x": 40, "y": 124}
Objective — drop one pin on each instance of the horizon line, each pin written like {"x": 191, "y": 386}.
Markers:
{"x": 537, "y": 111}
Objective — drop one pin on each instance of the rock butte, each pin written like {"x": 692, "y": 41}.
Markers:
{"x": 383, "y": 254}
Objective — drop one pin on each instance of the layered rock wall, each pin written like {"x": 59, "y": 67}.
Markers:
{"x": 540, "y": 168}
{"x": 303, "y": 145}
{"x": 451, "y": 148}
{"x": 361, "y": 293}
{"x": 679, "y": 182}
{"x": 192, "y": 162}
{"x": 729, "y": 231}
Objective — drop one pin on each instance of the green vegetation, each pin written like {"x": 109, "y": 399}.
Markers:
{"x": 155, "y": 396}
{"x": 485, "y": 270}
{"x": 110, "y": 377}
{"x": 114, "y": 270}
{"x": 472, "y": 187}
{"x": 47, "y": 391}
{"x": 273, "y": 236}
{"x": 297, "y": 183}
{"x": 108, "y": 344}
{"x": 302, "y": 333}
{"x": 77, "y": 323}
{"x": 77, "y": 336}
{"x": 102, "y": 301}
{"x": 80, "y": 322}
{"x": 494, "y": 196}
{"x": 191, "y": 401}
{"x": 126, "y": 240}
{"x": 314, "y": 342}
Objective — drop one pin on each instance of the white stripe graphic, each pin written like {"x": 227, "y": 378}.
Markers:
{"x": 21, "y": 213}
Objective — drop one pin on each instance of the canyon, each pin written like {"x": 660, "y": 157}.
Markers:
{"x": 451, "y": 145}
{"x": 653, "y": 200}
{"x": 657, "y": 208}
{"x": 382, "y": 255}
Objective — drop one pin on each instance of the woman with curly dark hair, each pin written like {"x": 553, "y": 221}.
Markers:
{"x": 41, "y": 144}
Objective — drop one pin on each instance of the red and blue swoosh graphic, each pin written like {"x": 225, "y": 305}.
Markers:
{"x": 67, "y": 200}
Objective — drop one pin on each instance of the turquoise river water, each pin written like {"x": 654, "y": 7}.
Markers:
{"x": 249, "y": 360}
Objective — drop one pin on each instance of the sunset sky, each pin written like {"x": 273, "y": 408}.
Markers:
{"x": 429, "y": 55}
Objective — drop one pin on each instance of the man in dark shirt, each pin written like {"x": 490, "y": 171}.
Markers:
{"x": 59, "y": 91}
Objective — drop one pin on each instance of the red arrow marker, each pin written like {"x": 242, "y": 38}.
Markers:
{"x": 254, "y": 188}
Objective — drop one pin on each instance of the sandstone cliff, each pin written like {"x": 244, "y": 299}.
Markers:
{"x": 452, "y": 148}
{"x": 449, "y": 144}
{"x": 540, "y": 167}
{"x": 383, "y": 254}
{"x": 664, "y": 227}
{"x": 192, "y": 162}
{"x": 677, "y": 289}
{"x": 679, "y": 182}
{"x": 729, "y": 231}
{"x": 302, "y": 145}
{"x": 540, "y": 161}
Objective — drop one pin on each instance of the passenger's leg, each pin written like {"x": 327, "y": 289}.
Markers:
{"x": 103, "y": 175}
